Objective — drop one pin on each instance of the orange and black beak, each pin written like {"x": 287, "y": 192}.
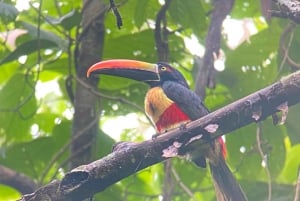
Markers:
{"x": 132, "y": 69}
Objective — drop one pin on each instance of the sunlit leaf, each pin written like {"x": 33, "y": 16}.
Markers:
{"x": 8, "y": 193}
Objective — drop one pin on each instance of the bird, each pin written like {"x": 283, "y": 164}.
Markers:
{"x": 170, "y": 103}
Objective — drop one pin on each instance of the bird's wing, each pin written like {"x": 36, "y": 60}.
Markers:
{"x": 188, "y": 101}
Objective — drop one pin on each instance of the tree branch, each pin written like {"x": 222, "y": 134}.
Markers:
{"x": 89, "y": 179}
{"x": 16, "y": 180}
{"x": 161, "y": 34}
{"x": 205, "y": 76}
{"x": 90, "y": 47}
{"x": 287, "y": 9}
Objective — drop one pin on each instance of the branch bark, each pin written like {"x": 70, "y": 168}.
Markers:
{"x": 205, "y": 76}
{"x": 287, "y": 9}
{"x": 89, "y": 179}
{"x": 85, "y": 103}
{"x": 16, "y": 180}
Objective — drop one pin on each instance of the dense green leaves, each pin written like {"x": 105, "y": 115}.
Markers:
{"x": 186, "y": 15}
{"x": 36, "y": 109}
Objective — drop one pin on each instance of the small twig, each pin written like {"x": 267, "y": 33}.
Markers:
{"x": 168, "y": 186}
{"x": 121, "y": 100}
{"x": 263, "y": 157}
{"x": 297, "y": 190}
{"x": 284, "y": 50}
{"x": 48, "y": 21}
{"x": 74, "y": 155}
{"x": 17, "y": 180}
{"x": 182, "y": 185}
{"x": 161, "y": 36}
{"x": 116, "y": 13}
{"x": 64, "y": 149}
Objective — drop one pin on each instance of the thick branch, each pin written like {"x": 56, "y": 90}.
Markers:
{"x": 287, "y": 9}
{"x": 90, "y": 47}
{"x": 205, "y": 76}
{"x": 16, "y": 180}
{"x": 89, "y": 179}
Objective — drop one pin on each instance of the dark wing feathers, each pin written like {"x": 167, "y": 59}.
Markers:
{"x": 187, "y": 100}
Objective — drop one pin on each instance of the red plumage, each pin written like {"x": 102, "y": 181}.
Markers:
{"x": 172, "y": 117}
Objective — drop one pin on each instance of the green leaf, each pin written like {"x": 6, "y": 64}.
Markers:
{"x": 18, "y": 104}
{"x": 8, "y": 193}
{"x": 28, "y": 48}
{"x": 290, "y": 171}
{"x": 250, "y": 161}
{"x": 68, "y": 21}
{"x": 32, "y": 157}
{"x": 44, "y": 34}
{"x": 59, "y": 66}
{"x": 112, "y": 83}
{"x": 246, "y": 71}
{"x": 140, "y": 12}
{"x": 247, "y": 8}
{"x": 245, "y": 162}
{"x": 292, "y": 125}
{"x": 190, "y": 15}
{"x": 8, "y": 13}
{"x": 138, "y": 45}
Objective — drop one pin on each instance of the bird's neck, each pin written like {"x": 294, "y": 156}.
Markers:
{"x": 164, "y": 112}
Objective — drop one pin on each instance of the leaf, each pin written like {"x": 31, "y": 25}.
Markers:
{"x": 17, "y": 104}
{"x": 28, "y": 48}
{"x": 133, "y": 45}
{"x": 32, "y": 157}
{"x": 245, "y": 70}
{"x": 292, "y": 125}
{"x": 8, "y": 193}
{"x": 242, "y": 9}
{"x": 190, "y": 15}
{"x": 140, "y": 12}
{"x": 291, "y": 165}
{"x": 8, "y": 13}
{"x": 243, "y": 154}
{"x": 68, "y": 21}
{"x": 47, "y": 35}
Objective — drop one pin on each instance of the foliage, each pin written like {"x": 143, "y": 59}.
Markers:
{"x": 36, "y": 111}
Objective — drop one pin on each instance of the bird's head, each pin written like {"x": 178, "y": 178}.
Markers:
{"x": 152, "y": 74}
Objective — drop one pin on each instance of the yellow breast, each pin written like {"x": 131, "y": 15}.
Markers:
{"x": 156, "y": 102}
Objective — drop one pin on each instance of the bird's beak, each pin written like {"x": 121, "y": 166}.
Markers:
{"x": 132, "y": 69}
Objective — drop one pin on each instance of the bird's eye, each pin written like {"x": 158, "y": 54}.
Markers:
{"x": 163, "y": 68}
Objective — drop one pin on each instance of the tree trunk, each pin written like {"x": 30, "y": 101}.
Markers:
{"x": 90, "y": 46}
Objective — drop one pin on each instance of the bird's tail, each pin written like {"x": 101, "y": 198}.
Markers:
{"x": 226, "y": 187}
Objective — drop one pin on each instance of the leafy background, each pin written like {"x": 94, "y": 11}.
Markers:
{"x": 36, "y": 111}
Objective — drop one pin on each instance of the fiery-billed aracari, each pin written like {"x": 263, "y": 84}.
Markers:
{"x": 170, "y": 103}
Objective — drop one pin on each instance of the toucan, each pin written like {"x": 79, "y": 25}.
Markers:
{"x": 170, "y": 103}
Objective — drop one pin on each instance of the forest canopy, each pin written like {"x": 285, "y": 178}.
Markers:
{"x": 54, "y": 119}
